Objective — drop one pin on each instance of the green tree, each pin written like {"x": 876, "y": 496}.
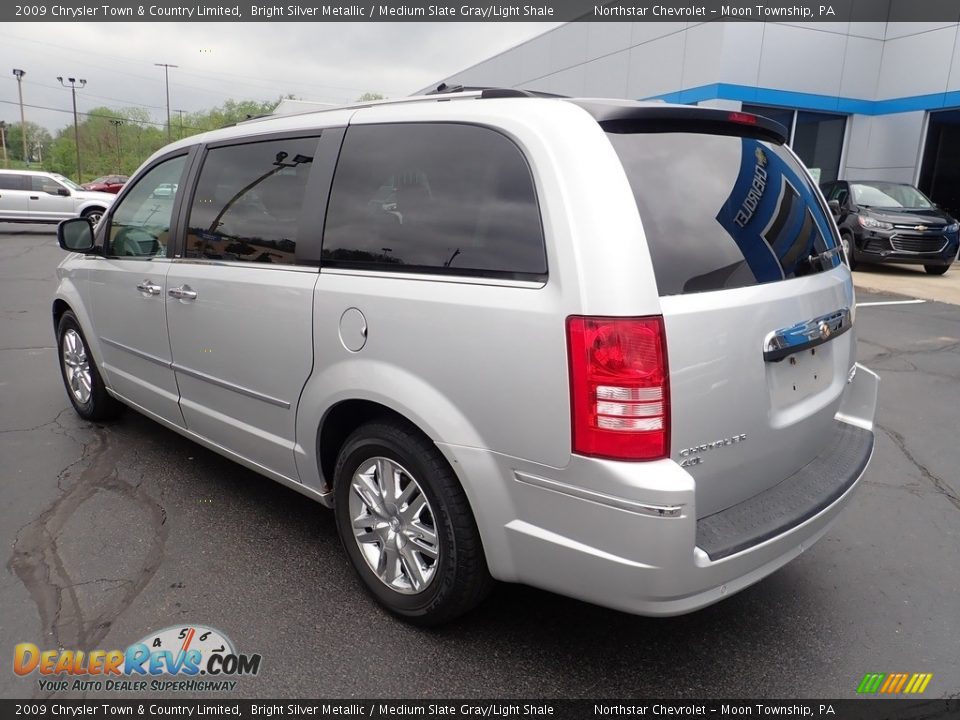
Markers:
{"x": 62, "y": 158}
{"x": 106, "y": 148}
{"x": 38, "y": 142}
{"x": 230, "y": 113}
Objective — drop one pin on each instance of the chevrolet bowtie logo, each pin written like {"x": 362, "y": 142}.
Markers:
{"x": 919, "y": 228}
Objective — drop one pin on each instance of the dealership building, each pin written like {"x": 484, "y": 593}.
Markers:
{"x": 860, "y": 100}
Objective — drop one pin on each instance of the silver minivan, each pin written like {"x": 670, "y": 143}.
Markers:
{"x": 595, "y": 346}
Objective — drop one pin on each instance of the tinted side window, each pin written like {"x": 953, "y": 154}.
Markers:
{"x": 140, "y": 224}
{"x": 9, "y": 181}
{"x": 724, "y": 212}
{"x": 433, "y": 197}
{"x": 39, "y": 183}
{"x": 248, "y": 201}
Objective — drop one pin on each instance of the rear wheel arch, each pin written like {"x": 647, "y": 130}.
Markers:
{"x": 338, "y": 424}
{"x": 407, "y": 525}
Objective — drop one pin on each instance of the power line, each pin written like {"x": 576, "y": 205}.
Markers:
{"x": 130, "y": 103}
{"x": 186, "y": 70}
{"x": 97, "y": 115}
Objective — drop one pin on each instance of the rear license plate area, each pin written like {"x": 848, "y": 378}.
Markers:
{"x": 800, "y": 375}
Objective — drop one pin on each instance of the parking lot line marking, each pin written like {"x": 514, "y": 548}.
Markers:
{"x": 915, "y": 301}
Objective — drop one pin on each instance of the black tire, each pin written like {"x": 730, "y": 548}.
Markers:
{"x": 94, "y": 215}
{"x": 936, "y": 269}
{"x": 99, "y": 405}
{"x": 460, "y": 579}
{"x": 851, "y": 252}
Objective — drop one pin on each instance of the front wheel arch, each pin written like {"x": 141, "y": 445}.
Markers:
{"x": 847, "y": 237}
{"x": 59, "y": 308}
{"x": 94, "y": 214}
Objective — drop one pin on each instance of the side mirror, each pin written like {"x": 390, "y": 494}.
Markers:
{"x": 63, "y": 191}
{"x": 76, "y": 235}
{"x": 834, "y": 206}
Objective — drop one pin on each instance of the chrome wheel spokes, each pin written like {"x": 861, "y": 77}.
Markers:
{"x": 76, "y": 365}
{"x": 393, "y": 525}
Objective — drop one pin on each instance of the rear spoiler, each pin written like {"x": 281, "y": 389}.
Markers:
{"x": 629, "y": 118}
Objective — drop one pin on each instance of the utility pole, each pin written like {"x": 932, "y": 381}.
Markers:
{"x": 3, "y": 140}
{"x": 116, "y": 127}
{"x": 23, "y": 123}
{"x": 180, "y": 112}
{"x": 166, "y": 76}
{"x": 76, "y": 126}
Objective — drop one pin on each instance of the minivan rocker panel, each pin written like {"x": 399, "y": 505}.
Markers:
{"x": 470, "y": 325}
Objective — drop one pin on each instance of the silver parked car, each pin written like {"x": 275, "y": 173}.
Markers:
{"x": 31, "y": 196}
{"x": 598, "y": 347}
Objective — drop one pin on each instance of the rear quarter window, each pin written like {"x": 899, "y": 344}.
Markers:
{"x": 434, "y": 197}
{"x": 9, "y": 181}
{"x": 723, "y": 211}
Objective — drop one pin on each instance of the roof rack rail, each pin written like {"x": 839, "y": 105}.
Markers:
{"x": 491, "y": 92}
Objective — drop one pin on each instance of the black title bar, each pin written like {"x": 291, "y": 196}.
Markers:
{"x": 866, "y": 709}
{"x": 483, "y": 11}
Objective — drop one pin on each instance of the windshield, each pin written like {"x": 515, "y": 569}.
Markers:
{"x": 66, "y": 181}
{"x": 888, "y": 195}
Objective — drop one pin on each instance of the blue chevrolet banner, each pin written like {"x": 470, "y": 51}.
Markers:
{"x": 773, "y": 216}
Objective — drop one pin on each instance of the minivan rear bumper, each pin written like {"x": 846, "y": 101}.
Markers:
{"x": 626, "y": 535}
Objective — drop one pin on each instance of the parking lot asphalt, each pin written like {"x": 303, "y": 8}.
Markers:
{"x": 110, "y": 532}
{"x": 909, "y": 280}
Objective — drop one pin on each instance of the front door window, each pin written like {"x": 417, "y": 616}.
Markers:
{"x": 140, "y": 224}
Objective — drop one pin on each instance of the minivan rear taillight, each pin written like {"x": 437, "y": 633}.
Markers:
{"x": 619, "y": 390}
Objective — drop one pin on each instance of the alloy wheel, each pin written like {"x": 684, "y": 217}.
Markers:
{"x": 77, "y": 366}
{"x": 393, "y": 525}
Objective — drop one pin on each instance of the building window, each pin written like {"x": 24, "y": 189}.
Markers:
{"x": 817, "y": 138}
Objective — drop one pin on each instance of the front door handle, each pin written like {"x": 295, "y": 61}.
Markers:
{"x": 184, "y": 292}
{"x": 149, "y": 288}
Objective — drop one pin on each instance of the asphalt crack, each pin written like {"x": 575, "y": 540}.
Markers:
{"x": 891, "y": 353}
{"x": 939, "y": 484}
{"x": 39, "y": 564}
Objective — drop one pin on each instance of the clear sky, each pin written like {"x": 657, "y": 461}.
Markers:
{"x": 327, "y": 62}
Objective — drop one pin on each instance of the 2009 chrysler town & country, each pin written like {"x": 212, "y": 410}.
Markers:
{"x": 598, "y": 347}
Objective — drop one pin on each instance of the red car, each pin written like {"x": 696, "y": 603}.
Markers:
{"x": 107, "y": 183}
